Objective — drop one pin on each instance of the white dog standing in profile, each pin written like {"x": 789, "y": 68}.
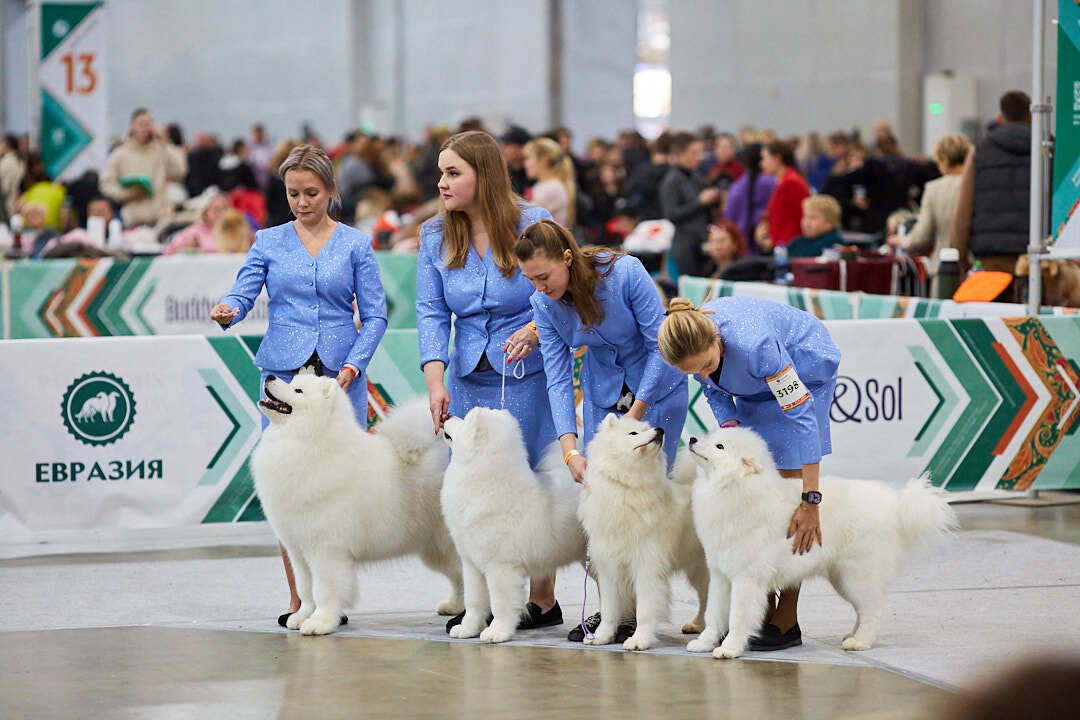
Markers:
{"x": 640, "y": 530}
{"x": 337, "y": 495}
{"x": 508, "y": 522}
{"x": 742, "y": 508}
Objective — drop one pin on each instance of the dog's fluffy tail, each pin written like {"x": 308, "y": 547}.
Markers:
{"x": 409, "y": 430}
{"x": 925, "y": 516}
{"x": 684, "y": 470}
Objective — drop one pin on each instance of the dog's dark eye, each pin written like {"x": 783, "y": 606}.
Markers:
{"x": 719, "y": 446}
{"x": 633, "y": 432}
{"x": 447, "y": 435}
{"x": 299, "y": 391}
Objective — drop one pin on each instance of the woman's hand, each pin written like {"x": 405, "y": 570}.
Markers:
{"x": 223, "y": 315}
{"x": 345, "y": 376}
{"x": 805, "y": 527}
{"x": 577, "y": 465}
{"x": 521, "y": 344}
{"x": 439, "y": 403}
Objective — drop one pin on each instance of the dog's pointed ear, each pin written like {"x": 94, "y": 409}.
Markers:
{"x": 752, "y": 465}
{"x": 328, "y": 387}
{"x": 306, "y": 370}
{"x": 480, "y": 430}
{"x": 608, "y": 421}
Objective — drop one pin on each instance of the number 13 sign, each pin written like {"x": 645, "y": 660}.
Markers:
{"x": 71, "y": 81}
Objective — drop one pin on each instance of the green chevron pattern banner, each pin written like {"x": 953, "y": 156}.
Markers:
{"x": 837, "y": 305}
{"x": 158, "y": 296}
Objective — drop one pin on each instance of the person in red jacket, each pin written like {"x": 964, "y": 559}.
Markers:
{"x": 785, "y": 204}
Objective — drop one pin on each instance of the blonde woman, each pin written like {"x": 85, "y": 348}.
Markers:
{"x": 553, "y": 170}
{"x": 773, "y": 368}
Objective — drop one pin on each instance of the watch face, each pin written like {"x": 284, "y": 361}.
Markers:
{"x": 813, "y": 497}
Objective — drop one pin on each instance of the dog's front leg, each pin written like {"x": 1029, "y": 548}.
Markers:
{"x": 334, "y": 584}
{"x": 716, "y": 614}
{"x": 747, "y": 612}
{"x": 699, "y": 580}
{"x": 652, "y": 588}
{"x": 505, "y": 584}
{"x": 477, "y": 603}
{"x": 302, "y": 578}
{"x": 613, "y": 604}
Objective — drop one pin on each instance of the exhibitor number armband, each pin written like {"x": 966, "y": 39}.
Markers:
{"x": 788, "y": 389}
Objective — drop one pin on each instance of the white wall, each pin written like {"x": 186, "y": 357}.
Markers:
{"x": 15, "y": 105}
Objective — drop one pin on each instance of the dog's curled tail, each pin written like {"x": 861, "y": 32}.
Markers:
{"x": 408, "y": 428}
{"x": 925, "y": 515}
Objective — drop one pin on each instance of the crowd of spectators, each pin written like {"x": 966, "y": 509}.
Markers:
{"x": 729, "y": 196}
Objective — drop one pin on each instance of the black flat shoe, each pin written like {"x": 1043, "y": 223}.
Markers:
{"x": 456, "y": 620}
{"x": 282, "y": 619}
{"x": 770, "y": 638}
{"x": 622, "y": 633}
{"x": 534, "y": 618}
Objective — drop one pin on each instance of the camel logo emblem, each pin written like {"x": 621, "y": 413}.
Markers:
{"x": 98, "y": 408}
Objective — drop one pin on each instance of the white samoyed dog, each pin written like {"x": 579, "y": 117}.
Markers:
{"x": 742, "y": 509}
{"x": 337, "y": 495}
{"x": 508, "y": 522}
{"x": 640, "y": 529}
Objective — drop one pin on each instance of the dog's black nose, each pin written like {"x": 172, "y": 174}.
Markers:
{"x": 693, "y": 440}
{"x": 660, "y": 432}
{"x": 270, "y": 377}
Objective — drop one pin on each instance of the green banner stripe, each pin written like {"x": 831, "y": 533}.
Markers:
{"x": 252, "y": 343}
{"x": 111, "y": 310}
{"x": 240, "y": 364}
{"x": 253, "y": 512}
{"x": 981, "y": 401}
{"x": 29, "y": 291}
{"x": 1065, "y": 461}
{"x": 980, "y": 341}
{"x": 94, "y": 307}
{"x": 235, "y": 497}
{"x": 62, "y": 136}
{"x": 228, "y": 438}
{"x": 58, "y": 19}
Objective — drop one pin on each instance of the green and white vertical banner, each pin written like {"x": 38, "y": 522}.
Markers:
{"x": 1064, "y": 220}
{"x": 71, "y": 81}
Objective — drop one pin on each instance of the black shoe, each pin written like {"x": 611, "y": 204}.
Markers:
{"x": 770, "y": 638}
{"x": 456, "y": 620}
{"x": 282, "y": 619}
{"x": 534, "y": 618}
{"x": 622, "y": 633}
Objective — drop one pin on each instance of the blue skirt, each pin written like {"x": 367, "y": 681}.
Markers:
{"x": 782, "y": 436}
{"x": 526, "y": 399}
{"x": 669, "y": 413}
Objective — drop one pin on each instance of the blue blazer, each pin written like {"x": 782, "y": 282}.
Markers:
{"x": 760, "y": 339}
{"x": 488, "y": 307}
{"x": 622, "y": 348}
{"x": 311, "y": 298}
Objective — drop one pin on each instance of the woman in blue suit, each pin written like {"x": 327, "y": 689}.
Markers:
{"x": 773, "y": 368}
{"x": 312, "y": 269}
{"x": 466, "y": 269}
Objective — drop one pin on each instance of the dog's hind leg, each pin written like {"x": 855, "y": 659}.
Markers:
{"x": 477, "y": 602}
{"x": 747, "y": 612}
{"x": 506, "y": 584}
{"x": 866, "y": 593}
{"x": 653, "y": 591}
{"x": 334, "y": 586}
{"x": 302, "y": 576}
{"x": 698, "y": 575}
{"x": 717, "y": 608}
{"x": 615, "y": 603}
{"x": 445, "y": 560}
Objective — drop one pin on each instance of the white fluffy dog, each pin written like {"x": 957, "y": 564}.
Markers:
{"x": 742, "y": 509}
{"x": 640, "y": 529}
{"x": 508, "y": 523}
{"x": 337, "y": 495}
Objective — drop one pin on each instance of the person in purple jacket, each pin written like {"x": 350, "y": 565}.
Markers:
{"x": 312, "y": 269}
{"x": 743, "y": 206}
{"x": 773, "y": 368}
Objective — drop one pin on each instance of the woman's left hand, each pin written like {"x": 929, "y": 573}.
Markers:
{"x": 805, "y": 527}
{"x": 345, "y": 376}
{"x": 520, "y": 344}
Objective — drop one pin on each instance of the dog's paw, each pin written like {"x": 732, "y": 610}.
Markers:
{"x": 450, "y": 607}
{"x": 496, "y": 635}
{"x": 318, "y": 626}
{"x": 461, "y": 632}
{"x": 693, "y": 627}
{"x": 637, "y": 641}
{"x": 600, "y": 638}
{"x": 854, "y": 643}
{"x": 294, "y": 621}
{"x": 728, "y": 650}
{"x": 700, "y": 645}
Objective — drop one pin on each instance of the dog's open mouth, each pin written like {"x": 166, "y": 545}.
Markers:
{"x": 273, "y": 403}
{"x": 657, "y": 439}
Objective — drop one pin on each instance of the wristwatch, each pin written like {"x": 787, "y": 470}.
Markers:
{"x": 812, "y": 498}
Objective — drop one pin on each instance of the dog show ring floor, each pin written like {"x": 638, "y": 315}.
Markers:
{"x": 172, "y": 628}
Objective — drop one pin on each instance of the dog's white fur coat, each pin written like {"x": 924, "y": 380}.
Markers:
{"x": 508, "y": 522}
{"x": 337, "y": 495}
{"x": 640, "y": 530}
{"x": 742, "y": 509}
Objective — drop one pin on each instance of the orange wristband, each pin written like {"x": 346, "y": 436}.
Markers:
{"x": 567, "y": 456}
{"x": 532, "y": 326}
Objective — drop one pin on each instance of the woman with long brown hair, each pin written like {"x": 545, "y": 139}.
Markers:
{"x": 466, "y": 270}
